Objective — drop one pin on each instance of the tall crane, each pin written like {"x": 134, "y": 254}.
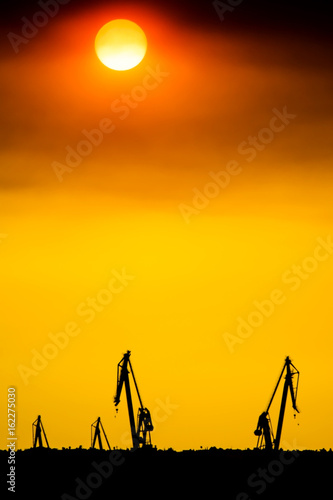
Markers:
{"x": 96, "y": 435}
{"x": 38, "y": 432}
{"x": 141, "y": 432}
{"x": 264, "y": 429}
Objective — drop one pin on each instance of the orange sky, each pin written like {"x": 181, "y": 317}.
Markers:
{"x": 143, "y": 203}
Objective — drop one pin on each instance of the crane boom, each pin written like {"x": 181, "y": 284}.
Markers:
{"x": 122, "y": 377}
{"x": 141, "y": 435}
{"x": 288, "y": 384}
{"x": 263, "y": 430}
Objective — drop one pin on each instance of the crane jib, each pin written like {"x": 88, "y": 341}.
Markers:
{"x": 264, "y": 428}
{"x": 140, "y": 432}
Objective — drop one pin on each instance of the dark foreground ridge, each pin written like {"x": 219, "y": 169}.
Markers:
{"x": 81, "y": 474}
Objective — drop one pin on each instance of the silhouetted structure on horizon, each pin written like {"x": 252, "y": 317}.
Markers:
{"x": 264, "y": 429}
{"x": 96, "y": 435}
{"x": 38, "y": 432}
{"x": 141, "y": 435}
{"x": 141, "y": 430}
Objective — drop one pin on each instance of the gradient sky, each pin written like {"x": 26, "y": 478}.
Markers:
{"x": 142, "y": 203}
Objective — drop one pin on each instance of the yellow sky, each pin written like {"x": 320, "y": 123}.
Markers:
{"x": 184, "y": 280}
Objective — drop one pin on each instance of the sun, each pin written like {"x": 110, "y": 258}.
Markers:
{"x": 121, "y": 44}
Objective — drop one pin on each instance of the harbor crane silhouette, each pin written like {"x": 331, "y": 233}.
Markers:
{"x": 96, "y": 434}
{"x": 264, "y": 429}
{"x": 140, "y": 434}
{"x": 38, "y": 432}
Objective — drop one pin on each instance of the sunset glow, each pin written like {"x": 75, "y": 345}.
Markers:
{"x": 181, "y": 210}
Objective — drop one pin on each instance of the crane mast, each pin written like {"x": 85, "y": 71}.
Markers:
{"x": 264, "y": 429}
{"x": 141, "y": 433}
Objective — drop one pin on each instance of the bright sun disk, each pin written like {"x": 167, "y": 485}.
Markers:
{"x": 121, "y": 44}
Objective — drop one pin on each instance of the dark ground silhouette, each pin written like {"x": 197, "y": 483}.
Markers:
{"x": 49, "y": 474}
